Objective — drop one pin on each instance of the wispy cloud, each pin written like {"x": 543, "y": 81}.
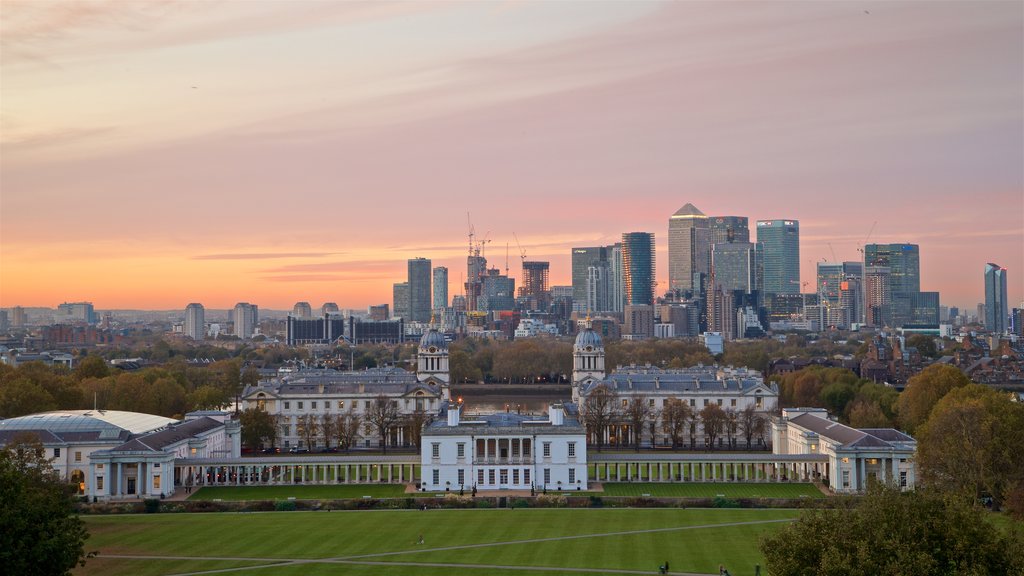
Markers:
{"x": 265, "y": 256}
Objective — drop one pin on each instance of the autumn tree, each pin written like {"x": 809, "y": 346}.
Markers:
{"x": 712, "y": 418}
{"x": 381, "y": 417}
{"x": 866, "y": 414}
{"x": 41, "y": 533}
{"x": 924, "y": 391}
{"x": 675, "y": 420}
{"x": 972, "y": 442}
{"x": 258, "y": 428}
{"x": 600, "y": 408}
{"x": 889, "y": 532}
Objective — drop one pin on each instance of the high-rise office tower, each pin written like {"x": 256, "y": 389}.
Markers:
{"x": 837, "y": 285}
{"x": 328, "y": 308}
{"x": 638, "y": 267}
{"x": 245, "y": 316}
{"x": 904, "y": 264}
{"x": 689, "y": 250}
{"x": 996, "y": 308}
{"x": 498, "y": 292}
{"x": 729, "y": 229}
{"x": 781, "y": 240}
{"x": 302, "y": 310}
{"x": 738, "y": 266}
{"x": 440, "y": 288}
{"x": 419, "y": 290}
{"x": 583, "y": 259}
{"x": 903, "y": 261}
{"x": 598, "y": 278}
{"x": 616, "y": 278}
{"x": 877, "y": 296}
{"x": 378, "y": 312}
{"x": 400, "y": 301}
{"x": 195, "y": 322}
{"x": 476, "y": 269}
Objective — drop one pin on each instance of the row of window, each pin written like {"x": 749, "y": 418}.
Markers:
{"x": 758, "y": 402}
{"x": 315, "y": 404}
{"x": 78, "y": 455}
{"x": 460, "y": 450}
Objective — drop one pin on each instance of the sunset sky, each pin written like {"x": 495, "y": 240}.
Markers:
{"x": 158, "y": 153}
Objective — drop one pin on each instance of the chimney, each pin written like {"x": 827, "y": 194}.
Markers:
{"x": 453, "y": 414}
{"x": 556, "y": 414}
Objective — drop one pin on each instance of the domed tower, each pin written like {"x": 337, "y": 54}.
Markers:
{"x": 432, "y": 360}
{"x": 587, "y": 360}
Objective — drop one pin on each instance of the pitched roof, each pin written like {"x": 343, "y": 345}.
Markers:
{"x": 157, "y": 441}
{"x": 851, "y": 437}
{"x": 688, "y": 211}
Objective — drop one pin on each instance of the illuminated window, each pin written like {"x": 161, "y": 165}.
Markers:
{"x": 846, "y": 460}
{"x": 341, "y": 404}
{"x": 78, "y": 456}
{"x": 156, "y": 482}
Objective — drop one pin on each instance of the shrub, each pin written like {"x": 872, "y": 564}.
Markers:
{"x": 151, "y": 505}
{"x": 484, "y": 503}
{"x": 723, "y": 502}
{"x": 284, "y": 506}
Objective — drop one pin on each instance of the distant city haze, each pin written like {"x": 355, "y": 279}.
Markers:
{"x": 157, "y": 154}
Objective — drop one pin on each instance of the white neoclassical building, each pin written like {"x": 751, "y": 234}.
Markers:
{"x": 110, "y": 454}
{"x": 331, "y": 393}
{"x": 505, "y": 451}
{"x": 732, "y": 389}
{"x": 854, "y": 455}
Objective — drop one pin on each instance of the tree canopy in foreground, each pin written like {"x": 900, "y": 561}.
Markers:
{"x": 888, "y": 532}
{"x": 40, "y": 533}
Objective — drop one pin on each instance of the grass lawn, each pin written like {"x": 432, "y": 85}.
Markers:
{"x": 393, "y": 536}
{"x": 307, "y": 492}
{"x": 710, "y": 490}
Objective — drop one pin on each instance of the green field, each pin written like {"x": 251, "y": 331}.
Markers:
{"x": 711, "y": 490}
{"x": 456, "y": 542}
{"x": 307, "y": 492}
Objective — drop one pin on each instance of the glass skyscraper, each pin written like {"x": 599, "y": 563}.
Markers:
{"x": 738, "y": 266}
{"x": 781, "y": 240}
{"x": 638, "y": 267}
{"x": 904, "y": 264}
{"x": 440, "y": 287}
{"x": 689, "y": 250}
{"x": 419, "y": 290}
{"x": 996, "y": 310}
{"x": 729, "y": 229}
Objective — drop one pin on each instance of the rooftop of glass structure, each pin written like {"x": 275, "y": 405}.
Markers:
{"x": 111, "y": 422}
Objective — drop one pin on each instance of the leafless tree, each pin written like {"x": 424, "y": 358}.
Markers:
{"x": 600, "y": 409}
{"x": 347, "y": 427}
{"x": 712, "y": 417}
{"x": 637, "y": 413}
{"x": 328, "y": 423}
{"x": 732, "y": 424}
{"x": 675, "y": 417}
{"x": 417, "y": 420}
{"x": 381, "y": 417}
{"x": 748, "y": 423}
{"x": 309, "y": 429}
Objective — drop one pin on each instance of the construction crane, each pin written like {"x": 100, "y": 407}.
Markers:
{"x": 506, "y": 258}
{"x": 866, "y": 238}
{"x": 834, "y": 259}
{"x": 522, "y": 252}
{"x": 472, "y": 232}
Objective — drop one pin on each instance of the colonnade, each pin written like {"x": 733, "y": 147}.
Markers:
{"x": 708, "y": 470}
{"x": 200, "y": 474}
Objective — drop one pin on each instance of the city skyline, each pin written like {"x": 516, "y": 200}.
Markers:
{"x": 136, "y": 174}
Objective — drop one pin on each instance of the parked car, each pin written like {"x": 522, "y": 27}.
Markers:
{"x": 297, "y": 450}
{"x": 272, "y": 450}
